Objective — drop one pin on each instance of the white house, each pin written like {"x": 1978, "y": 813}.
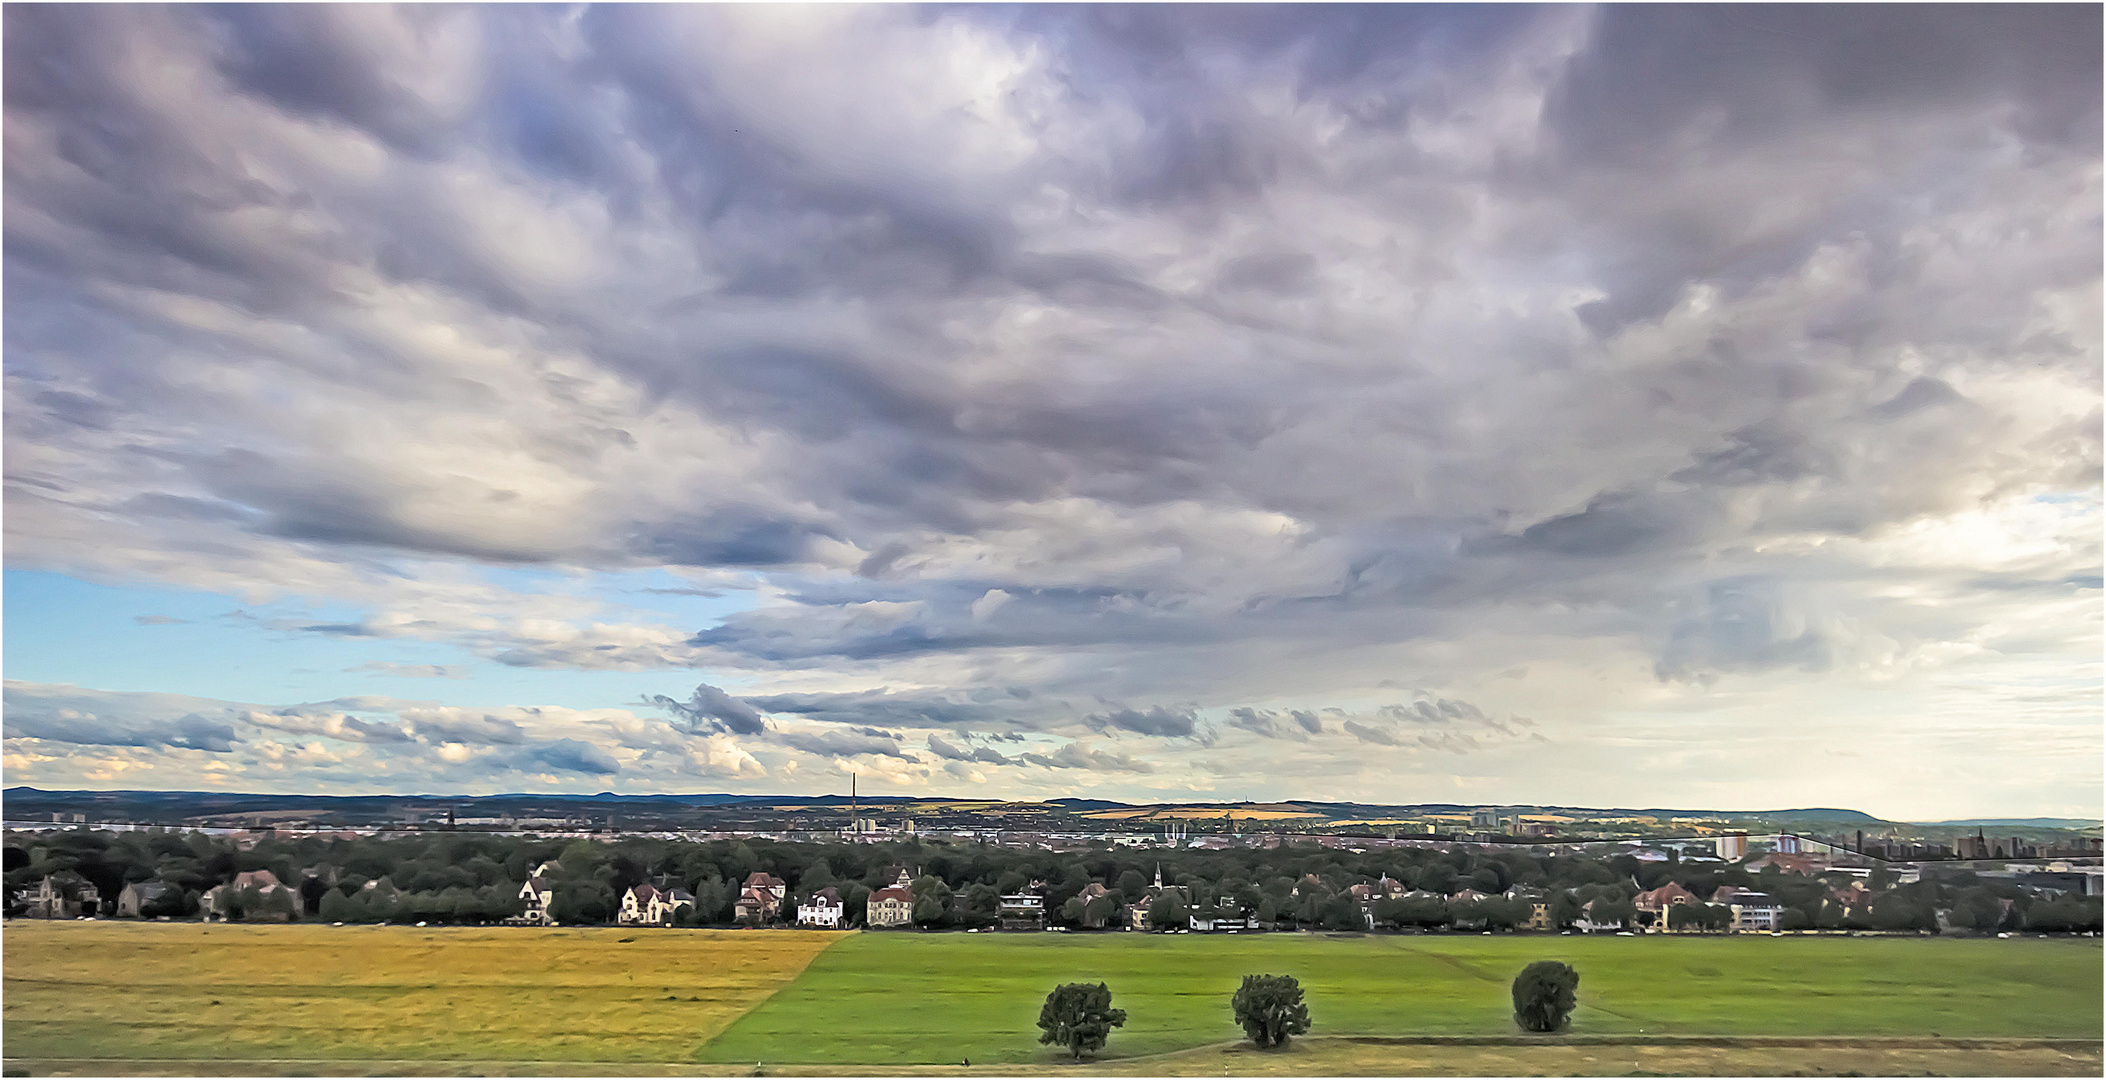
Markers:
{"x": 650, "y": 905}
{"x": 1753, "y": 912}
{"x": 892, "y": 905}
{"x": 823, "y": 911}
{"x": 537, "y": 892}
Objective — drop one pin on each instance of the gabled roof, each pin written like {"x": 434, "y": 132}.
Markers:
{"x": 829, "y": 895}
{"x": 262, "y": 879}
{"x": 644, "y": 894}
{"x": 1665, "y": 896}
{"x": 761, "y": 878}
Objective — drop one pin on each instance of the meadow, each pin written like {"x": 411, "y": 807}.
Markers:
{"x": 911, "y": 998}
{"x": 188, "y": 999}
{"x": 193, "y": 991}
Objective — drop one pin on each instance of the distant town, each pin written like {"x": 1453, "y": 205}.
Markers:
{"x": 1066, "y": 865}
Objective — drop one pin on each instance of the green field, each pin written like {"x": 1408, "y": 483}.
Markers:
{"x": 910, "y": 998}
{"x": 109, "y": 998}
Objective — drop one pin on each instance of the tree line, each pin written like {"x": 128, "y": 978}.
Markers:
{"x": 471, "y": 878}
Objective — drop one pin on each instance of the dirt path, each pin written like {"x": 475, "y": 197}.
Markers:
{"x": 1321, "y": 1056}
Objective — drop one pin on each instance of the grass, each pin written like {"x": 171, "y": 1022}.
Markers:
{"x": 184, "y": 999}
{"x": 1319, "y": 1056}
{"x": 899, "y": 999}
{"x": 191, "y": 992}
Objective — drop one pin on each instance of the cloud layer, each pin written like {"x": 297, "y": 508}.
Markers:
{"x": 1235, "y": 400}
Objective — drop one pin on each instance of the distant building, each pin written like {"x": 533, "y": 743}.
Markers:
{"x": 137, "y": 895}
{"x": 823, "y": 911}
{"x": 274, "y": 901}
{"x": 1023, "y": 910}
{"x": 1485, "y": 817}
{"x": 1732, "y": 847}
{"x": 537, "y": 892}
{"x": 64, "y": 895}
{"x": 1657, "y": 901}
{"x": 1753, "y": 912}
{"x": 1787, "y": 844}
{"x": 1138, "y": 913}
{"x": 1588, "y": 923}
{"x": 890, "y": 906}
{"x": 653, "y": 905}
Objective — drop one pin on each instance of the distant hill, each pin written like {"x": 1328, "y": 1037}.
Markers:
{"x": 2016, "y": 823}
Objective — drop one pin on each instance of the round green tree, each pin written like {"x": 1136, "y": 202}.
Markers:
{"x": 1543, "y": 995}
{"x": 1269, "y": 1009}
{"x": 1080, "y": 1017}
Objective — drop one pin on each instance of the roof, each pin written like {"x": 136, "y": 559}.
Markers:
{"x": 892, "y": 892}
{"x": 759, "y": 878}
{"x": 1664, "y": 896}
{"x": 262, "y": 879}
{"x": 644, "y": 894}
{"x": 830, "y": 895}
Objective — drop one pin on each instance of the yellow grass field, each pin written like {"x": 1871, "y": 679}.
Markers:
{"x": 190, "y": 991}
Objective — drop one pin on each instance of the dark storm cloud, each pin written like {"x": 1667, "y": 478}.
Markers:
{"x": 569, "y": 755}
{"x": 842, "y": 743}
{"x": 1154, "y": 720}
{"x": 943, "y": 749}
{"x": 1296, "y": 724}
{"x": 474, "y": 730}
{"x": 711, "y": 709}
{"x": 886, "y": 707}
{"x": 192, "y": 732}
{"x": 1078, "y": 756}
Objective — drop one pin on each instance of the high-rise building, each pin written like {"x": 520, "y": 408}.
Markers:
{"x": 1788, "y": 844}
{"x": 1732, "y": 846}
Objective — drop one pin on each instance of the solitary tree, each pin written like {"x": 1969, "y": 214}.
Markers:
{"x": 1543, "y": 995}
{"x": 1269, "y": 1009}
{"x": 1080, "y": 1017}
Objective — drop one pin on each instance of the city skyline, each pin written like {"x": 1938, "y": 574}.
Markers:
{"x": 1475, "y": 405}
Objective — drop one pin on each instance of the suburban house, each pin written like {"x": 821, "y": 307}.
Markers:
{"x": 653, "y": 905}
{"x": 890, "y": 906}
{"x": 64, "y": 895}
{"x": 1753, "y": 912}
{"x": 1090, "y": 894}
{"x": 761, "y": 899}
{"x": 1853, "y": 898}
{"x": 138, "y": 894}
{"x": 1655, "y": 902}
{"x": 1220, "y": 919}
{"x": 1536, "y": 903}
{"x": 1138, "y": 913}
{"x": 537, "y": 892}
{"x": 823, "y": 911}
{"x": 1588, "y": 924}
{"x": 276, "y": 900}
{"x": 1023, "y": 910}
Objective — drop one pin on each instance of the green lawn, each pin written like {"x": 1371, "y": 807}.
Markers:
{"x": 893, "y": 998}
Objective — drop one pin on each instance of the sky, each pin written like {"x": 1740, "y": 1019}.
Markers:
{"x": 1631, "y": 406}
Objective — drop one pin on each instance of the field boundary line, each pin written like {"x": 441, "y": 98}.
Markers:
{"x": 1883, "y": 1042}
